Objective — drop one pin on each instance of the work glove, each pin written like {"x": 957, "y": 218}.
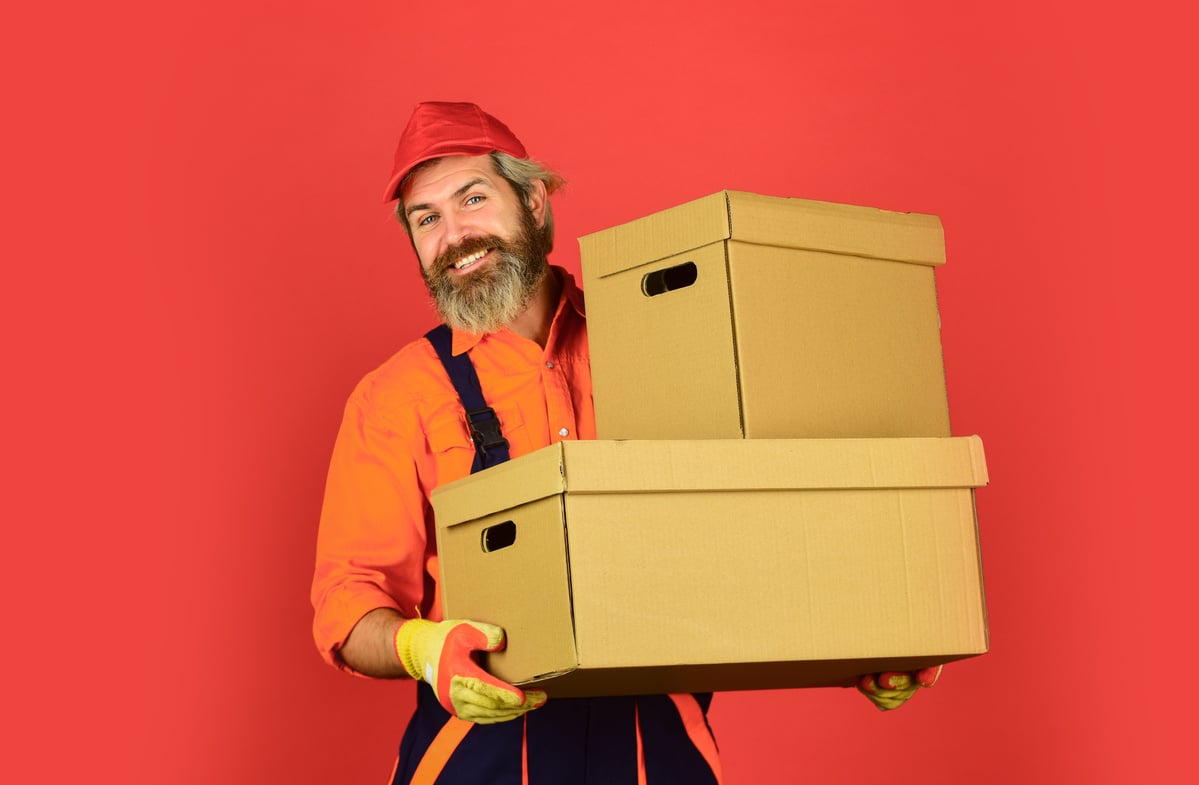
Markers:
{"x": 890, "y": 690}
{"x": 441, "y": 653}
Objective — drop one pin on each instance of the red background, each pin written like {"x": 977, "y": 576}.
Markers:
{"x": 198, "y": 268}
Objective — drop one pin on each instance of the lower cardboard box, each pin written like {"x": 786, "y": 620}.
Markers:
{"x": 634, "y": 567}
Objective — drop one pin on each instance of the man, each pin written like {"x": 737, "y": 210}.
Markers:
{"x": 478, "y": 214}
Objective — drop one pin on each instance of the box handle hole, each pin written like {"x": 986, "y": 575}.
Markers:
{"x": 498, "y": 537}
{"x": 669, "y": 279}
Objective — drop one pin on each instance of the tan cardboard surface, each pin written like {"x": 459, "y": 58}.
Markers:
{"x": 724, "y": 564}
{"x": 800, "y": 319}
{"x": 860, "y": 352}
{"x": 678, "y": 349}
{"x": 766, "y": 220}
{"x": 653, "y": 466}
{"x": 684, "y": 228}
{"x": 836, "y": 228}
{"x": 526, "y": 584}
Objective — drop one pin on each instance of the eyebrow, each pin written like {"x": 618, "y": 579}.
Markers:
{"x": 469, "y": 185}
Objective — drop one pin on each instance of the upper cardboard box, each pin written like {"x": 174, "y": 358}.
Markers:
{"x": 746, "y": 316}
{"x": 767, "y": 220}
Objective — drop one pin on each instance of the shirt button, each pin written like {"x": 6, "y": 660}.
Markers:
{"x": 549, "y": 365}
{"x": 564, "y": 432}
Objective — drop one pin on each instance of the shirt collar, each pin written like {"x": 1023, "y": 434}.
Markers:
{"x": 571, "y": 293}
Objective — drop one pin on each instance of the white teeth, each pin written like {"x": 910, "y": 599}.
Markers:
{"x": 462, "y": 264}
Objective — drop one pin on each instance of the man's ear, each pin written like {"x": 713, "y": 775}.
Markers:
{"x": 537, "y": 200}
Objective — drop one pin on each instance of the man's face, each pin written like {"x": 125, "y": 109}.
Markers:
{"x": 476, "y": 240}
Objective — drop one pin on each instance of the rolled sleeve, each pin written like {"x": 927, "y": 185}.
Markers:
{"x": 373, "y": 539}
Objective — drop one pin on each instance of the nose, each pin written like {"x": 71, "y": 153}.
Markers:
{"x": 454, "y": 226}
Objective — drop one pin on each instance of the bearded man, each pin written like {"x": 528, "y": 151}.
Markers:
{"x": 508, "y": 374}
{"x": 478, "y": 213}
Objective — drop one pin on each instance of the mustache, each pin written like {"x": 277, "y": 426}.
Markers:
{"x": 447, "y": 258}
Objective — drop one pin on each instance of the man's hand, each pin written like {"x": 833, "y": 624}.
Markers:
{"x": 440, "y": 653}
{"x": 890, "y": 690}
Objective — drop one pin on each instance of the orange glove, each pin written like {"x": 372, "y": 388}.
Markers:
{"x": 441, "y": 653}
{"x": 891, "y": 690}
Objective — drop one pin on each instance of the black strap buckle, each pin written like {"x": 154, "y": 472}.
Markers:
{"x": 485, "y": 428}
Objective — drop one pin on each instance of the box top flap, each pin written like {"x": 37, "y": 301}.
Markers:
{"x": 616, "y": 466}
{"x": 526, "y": 479}
{"x": 777, "y": 464}
{"x": 764, "y": 220}
{"x": 679, "y": 229}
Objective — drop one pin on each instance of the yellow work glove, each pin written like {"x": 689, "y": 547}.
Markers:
{"x": 891, "y": 690}
{"x": 441, "y": 653}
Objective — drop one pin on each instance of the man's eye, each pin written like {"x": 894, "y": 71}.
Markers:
{"x": 426, "y": 220}
{"x": 474, "y": 199}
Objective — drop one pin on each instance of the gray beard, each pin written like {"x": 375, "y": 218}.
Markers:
{"x": 489, "y": 299}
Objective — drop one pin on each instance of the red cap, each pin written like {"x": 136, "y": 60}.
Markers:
{"x": 440, "y": 128}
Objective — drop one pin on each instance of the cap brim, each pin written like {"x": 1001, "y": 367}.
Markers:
{"x": 393, "y": 186}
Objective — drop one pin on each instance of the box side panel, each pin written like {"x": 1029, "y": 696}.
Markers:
{"x": 678, "y": 344}
{"x": 759, "y": 577}
{"x": 523, "y": 587}
{"x": 836, "y": 346}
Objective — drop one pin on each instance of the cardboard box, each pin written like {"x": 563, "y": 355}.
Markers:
{"x": 628, "y": 567}
{"x": 745, "y": 316}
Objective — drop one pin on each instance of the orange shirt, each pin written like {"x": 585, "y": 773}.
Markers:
{"x": 404, "y": 433}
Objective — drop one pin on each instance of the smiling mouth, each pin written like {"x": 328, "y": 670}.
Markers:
{"x": 466, "y": 262}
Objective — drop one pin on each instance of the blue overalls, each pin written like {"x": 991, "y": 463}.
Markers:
{"x": 655, "y": 739}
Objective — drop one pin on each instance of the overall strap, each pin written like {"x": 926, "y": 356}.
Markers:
{"x": 491, "y": 448}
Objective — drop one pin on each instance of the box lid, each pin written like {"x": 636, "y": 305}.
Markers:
{"x": 765, "y": 220}
{"x": 671, "y": 466}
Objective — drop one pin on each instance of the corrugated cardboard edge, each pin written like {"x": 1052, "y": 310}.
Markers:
{"x": 767, "y": 220}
